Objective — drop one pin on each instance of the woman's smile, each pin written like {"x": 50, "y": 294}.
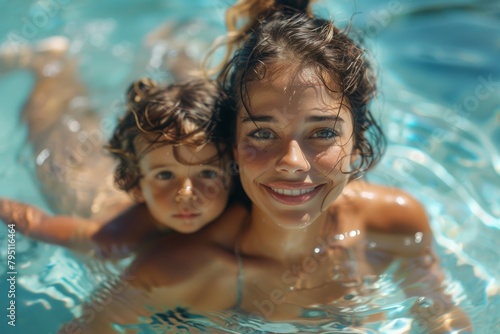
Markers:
{"x": 292, "y": 193}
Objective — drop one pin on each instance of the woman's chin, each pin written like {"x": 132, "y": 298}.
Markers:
{"x": 296, "y": 220}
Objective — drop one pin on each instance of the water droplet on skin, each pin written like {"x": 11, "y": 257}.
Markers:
{"x": 42, "y": 156}
{"x": 418, "y": 237}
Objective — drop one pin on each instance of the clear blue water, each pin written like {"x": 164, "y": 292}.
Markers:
{"x": 432, "y": 56}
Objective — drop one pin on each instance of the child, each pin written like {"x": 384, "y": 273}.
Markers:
{"x": 171, "y": 160}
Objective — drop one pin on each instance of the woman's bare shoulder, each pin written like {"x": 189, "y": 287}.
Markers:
{"x": 387, "y": 209}
{"x": 174, "y": 258}
{"x": 173, "y": 265}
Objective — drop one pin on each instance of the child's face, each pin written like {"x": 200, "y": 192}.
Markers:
{"x": 183, "y": 197}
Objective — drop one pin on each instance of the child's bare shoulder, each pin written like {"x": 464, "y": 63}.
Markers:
{"x": 387, "y": 209}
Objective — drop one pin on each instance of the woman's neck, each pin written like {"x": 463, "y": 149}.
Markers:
{"x": 264, "y": 237}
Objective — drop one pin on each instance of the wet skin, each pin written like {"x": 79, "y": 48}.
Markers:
{"x": 294, "y": 163}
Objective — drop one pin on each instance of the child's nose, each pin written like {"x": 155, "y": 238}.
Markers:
{"x": 186, "y": 192}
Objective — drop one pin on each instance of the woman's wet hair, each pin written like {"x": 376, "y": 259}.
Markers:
{"x": 284, "y": 35}
{"x": 178, "y": 114}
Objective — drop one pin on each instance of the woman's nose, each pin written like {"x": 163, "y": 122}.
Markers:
{"x": 293, "y": 159}
{"x": 186, "y": 192}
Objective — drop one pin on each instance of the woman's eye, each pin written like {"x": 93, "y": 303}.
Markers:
{"x": 208, "y": 174}
{"x": 325, "y": 134}
{"x": 164, "y": 175}
{"x": 262, "y": 134}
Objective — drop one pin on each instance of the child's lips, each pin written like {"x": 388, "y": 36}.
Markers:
{"x": 186, "y": 215}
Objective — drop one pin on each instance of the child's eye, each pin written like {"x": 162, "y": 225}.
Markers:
{"x": 262, "y": 134}
{"x": 164, "y": 175}
{"x": 325, "y": 134}
{"x": 208, "y": 174}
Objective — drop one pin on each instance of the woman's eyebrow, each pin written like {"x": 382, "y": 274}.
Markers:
{"x": 263, "y": 119}
{"x": 309, "y": 119}
{"x": 313, "y": 119}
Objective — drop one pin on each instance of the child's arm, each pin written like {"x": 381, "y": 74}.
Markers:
{"x": 70, "y": 232}
{"x": 126, "y": 233}
{"x": 113, "y": 240}
{"x": 171, "y": 272}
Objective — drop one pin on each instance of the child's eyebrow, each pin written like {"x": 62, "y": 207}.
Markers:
{"x": 170, "y": 166}
{"x": 160, "y": 166}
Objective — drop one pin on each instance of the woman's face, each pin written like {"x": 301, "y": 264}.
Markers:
{"x": 182, "y": 197}
{"x": 293, "y": 147}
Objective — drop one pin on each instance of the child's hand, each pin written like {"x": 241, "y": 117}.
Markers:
{"x": 25, "y": 217}
{"x": 71, "y": 232}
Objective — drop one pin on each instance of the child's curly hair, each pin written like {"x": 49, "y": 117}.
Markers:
{"x": 178, "y": 114}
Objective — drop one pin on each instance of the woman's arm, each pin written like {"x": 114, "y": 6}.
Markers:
{"x": 434, "y": 311}
{"x": 174, "y": 271}
{"x": 397, "y": 216}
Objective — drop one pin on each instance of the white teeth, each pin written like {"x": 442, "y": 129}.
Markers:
{"x": 292, "y": 192}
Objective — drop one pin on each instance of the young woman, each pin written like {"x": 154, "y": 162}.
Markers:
{"x": 314, "y": 239}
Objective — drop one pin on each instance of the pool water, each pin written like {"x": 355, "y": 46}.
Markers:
{"x": 439, "y": 79}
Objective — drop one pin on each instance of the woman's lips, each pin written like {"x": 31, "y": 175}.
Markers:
{"x": 292, "y": 194}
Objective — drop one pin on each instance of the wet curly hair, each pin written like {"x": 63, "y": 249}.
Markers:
{"x": 178, "y": 114}
{"x": 266, "y": 33}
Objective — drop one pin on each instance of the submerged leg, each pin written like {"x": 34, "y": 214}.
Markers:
{"x": 57, "y": 85}
{"x": 74, "y": 171}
